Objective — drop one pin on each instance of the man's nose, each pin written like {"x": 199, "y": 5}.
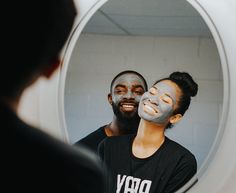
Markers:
{"x": 129, "y": 94}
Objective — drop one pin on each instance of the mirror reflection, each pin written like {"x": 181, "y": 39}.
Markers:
{"x": 154, "y": 38}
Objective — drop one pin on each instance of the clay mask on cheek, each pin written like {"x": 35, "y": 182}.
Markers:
{"x": 157, "y": 106}
{"x": 128, "y": 80}
{"x": 165, "y": 111}
{"x": 117, "y": 98}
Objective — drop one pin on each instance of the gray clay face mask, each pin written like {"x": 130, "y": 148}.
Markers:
{"x": 157, "y": 105}
{"x": 127, "y": 87}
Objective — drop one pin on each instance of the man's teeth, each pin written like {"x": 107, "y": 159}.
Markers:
{"x": 128, "y": 106}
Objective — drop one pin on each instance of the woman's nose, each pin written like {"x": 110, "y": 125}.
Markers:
{"x": 153, "y": 101}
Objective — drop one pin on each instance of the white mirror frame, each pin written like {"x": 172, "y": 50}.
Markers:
{"x": 218, "y": 173}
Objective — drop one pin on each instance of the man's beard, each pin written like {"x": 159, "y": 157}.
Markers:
{"x": 129, "y": 120}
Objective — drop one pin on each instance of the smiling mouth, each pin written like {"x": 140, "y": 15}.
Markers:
{"x": 149, "y": 108}
{"x": 128, "y": 107}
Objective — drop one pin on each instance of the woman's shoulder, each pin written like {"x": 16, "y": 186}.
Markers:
{"x": 177, "y": 148}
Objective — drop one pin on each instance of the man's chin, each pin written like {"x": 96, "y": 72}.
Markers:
{"x": 128, "y": 116}
{"x": 128, "y": 113}
{"x": 124, "y": 115}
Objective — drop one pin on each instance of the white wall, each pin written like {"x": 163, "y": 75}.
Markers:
{"x": 96, "y": 59}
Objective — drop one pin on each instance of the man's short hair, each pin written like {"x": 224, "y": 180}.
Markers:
{"x": 129, "y": 72}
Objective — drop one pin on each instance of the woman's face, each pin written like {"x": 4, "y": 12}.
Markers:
{"x": 158, "y": 104}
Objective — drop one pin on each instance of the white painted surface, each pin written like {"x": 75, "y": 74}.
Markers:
{"x": 220, "y": 175}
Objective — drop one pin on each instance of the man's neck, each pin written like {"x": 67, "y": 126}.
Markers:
{"x": 116, "y": 127}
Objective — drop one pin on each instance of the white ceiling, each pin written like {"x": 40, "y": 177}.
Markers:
{"x": 148, "y": 18}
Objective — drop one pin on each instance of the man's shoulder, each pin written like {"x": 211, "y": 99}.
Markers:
{"x": 119, "y": 140}
{"x": 115, "y": 147}
{"x": 97, "y": 134}
{"x": 93, "y": 139}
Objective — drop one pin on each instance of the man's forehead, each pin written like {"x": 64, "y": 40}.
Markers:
{"x": 129, "y": 78}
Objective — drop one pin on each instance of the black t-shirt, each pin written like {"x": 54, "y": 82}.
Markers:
{"x": 93, "y": 139}
{"x": 34, "y": 162}
{"x": 168, "y": 169}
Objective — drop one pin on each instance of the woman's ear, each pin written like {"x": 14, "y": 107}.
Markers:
{"x": 50, "y": 69}
{"x": 109, "y": 98}
{"x": 175, "y": 118}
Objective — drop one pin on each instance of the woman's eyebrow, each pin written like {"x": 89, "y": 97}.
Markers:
{"x": 166, "y": 94}
{"x": 154, "y": 87}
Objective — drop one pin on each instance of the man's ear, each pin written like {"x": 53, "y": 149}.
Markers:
{"x": 50, "y": 69}
{"x": 175, "y": 118}
{"x": 109, "y": 97}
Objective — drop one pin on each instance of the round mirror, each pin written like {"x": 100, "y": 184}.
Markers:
{"x": 154, "y": 38}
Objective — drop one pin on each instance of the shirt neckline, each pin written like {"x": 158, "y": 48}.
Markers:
{"x": 134, "y": 158}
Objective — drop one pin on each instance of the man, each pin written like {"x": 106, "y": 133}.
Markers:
{"x": 126, "y": 90}
{"x": 31, "y": 160}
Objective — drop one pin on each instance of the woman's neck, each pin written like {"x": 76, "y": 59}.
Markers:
{"x": 150, "y": 133}
{"x": 148, "y": 140}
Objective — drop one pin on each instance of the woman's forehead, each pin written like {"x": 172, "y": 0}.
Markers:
{"x": 165, "y": 85}
{"x": 169, "y": 87}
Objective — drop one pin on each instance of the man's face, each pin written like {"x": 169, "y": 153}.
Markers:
{"x": 158, "y": 104}
{"x": 126, "y": 94}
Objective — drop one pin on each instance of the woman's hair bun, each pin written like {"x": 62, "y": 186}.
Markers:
{"x": 186, "y": 82}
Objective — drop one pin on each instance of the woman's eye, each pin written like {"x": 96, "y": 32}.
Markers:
{"x": 152, "y": 91}
{"x": 167, "y": 100}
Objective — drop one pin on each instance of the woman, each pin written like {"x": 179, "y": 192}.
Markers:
{"x": 149, "y": 162}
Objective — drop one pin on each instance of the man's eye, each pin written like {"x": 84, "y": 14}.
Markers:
{"x": 119, "y": 91}
{"x": 138, "y": 92}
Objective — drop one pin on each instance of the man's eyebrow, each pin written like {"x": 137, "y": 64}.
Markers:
{"x": 138, "y": 86}
{"x": 120, "y": 85}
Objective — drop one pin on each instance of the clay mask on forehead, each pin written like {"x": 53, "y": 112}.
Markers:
{"x": 130, "y": 81}
{"x": 157, "y": 105}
